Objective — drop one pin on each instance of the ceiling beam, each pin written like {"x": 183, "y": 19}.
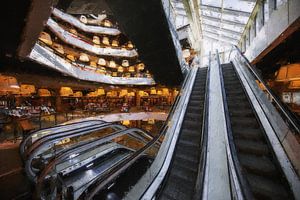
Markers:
{"x": 222, "y": 29}
{"x": 205, "y": 18}
{"x": 225, "y": 10}
{"x": 220, "y": 32}
{"x": 219, "y": 40}
{"x": 223, "y": 20}
{"x": 220, "y": 35}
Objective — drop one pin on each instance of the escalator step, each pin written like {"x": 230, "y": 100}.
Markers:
{"x": 191, "y": 143}
{"x": 237, "y": 97}
{"x": 193, "y": 116}
{"x": 247, "y": 133}
{"x": 241, "y": 113}
{"x": 254, "y": 147}
{"x": 195, "y": 109}
{"x": 176, "y": 189}
{"x": 186, "y": 163}
{"x": 192, "y": 124}
{"x": 259, "y": 165}
{"x": 244, "y": 122}
{"x": 186, "y": 153}
{"x": 186, "y": 174}
{"x": 195, "y": 102}
{"x": 235, "y": 104}
{"x": 196, "y": 97}
{"x": 264, "y": 188}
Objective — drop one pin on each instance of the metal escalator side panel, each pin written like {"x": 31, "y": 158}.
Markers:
{"x": 28, "y": 165}
{"x": 60, "y": 135}
{"x": 50, "y": 130}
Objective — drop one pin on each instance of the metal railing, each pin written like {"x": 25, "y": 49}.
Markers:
{"x": 289, "y": 117}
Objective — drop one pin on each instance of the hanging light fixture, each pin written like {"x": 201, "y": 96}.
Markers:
{"x": 65, "y": 91}
{"x": 84, "y": 57}
{"x": 125, "y": 63}
{"x": 153, "y": 91}
{"x": 105, "y": 40}
{"x": 96, "y": 39}
{"x": 114, "y": 74}
{"x": 73, "y": 31}
{"x": 100, "y": 91}
{"x": 83, "y": 19}
{"x": 78, "y": 94}
{"x": 129, "y": 45}
{"x": 93, "y": 64}
{"x": 112, "y": 64}
{"x": 58, "y": 48}
{"x": 131, "y": 69}
{"x": 44, "y": 93}
{"x": 141, "y": 66}
{"x": 120, "y": 69}
{"x": 46, "y": 38}
{"x": 101, "y": 62}
{"x": 71, "y": 57}
{"x": 107, "y": 23}
{"x": 27, "y": 89}
{"x": 115, "y": 43}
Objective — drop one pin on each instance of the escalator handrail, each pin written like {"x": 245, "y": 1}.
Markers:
{"x": 116, "y": 171}
{"x": 36, "y": 151}
{"x": 60, "y": 135}
{"x": 83, "y": 147}
{"x": 247, "y": 194}
{"x": 288, "y": 115}
{"x": 28, "y": 137}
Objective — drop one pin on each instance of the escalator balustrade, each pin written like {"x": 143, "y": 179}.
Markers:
{"x": 181, "y": 180}
{"x": 259, "y": 165}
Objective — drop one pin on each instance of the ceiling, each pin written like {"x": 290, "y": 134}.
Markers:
{"x": 221, "y": 20}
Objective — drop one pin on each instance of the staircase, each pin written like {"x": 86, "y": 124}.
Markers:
{"x": 182, "y": 177}
{"x": 258, "y": 164}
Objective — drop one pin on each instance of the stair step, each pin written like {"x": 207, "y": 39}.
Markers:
{"x": 193, "y": 116}
{"x": 247, "y": 133}
{"x": 187, "y": 153}
{"x": 241, "y": 113}
{"x": 259, "y": 165}
{"x": 188, "y": 142}
{"x": 244, "y": 122}
{"x": 264, "y": 188}
{"x": 186, "y": 174}
{"x": 186, "y": 163}
{"x": 195, "y": 109}
{"x": 252, "y": 147}
{"x": 192, "y": 124}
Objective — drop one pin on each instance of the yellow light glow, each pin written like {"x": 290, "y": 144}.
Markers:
{"x": 125, "y": 63}
{"x": 46, "y": 38}
{"x": 288, "y": 72}
{"x": 84, "y": 57}
{"x": 65, "y": 91}
{"x": 115, "y": 43}
{"x": 101, "y": 62}
{"x": 96, "y": 40}
{"x": 105, "y": 40}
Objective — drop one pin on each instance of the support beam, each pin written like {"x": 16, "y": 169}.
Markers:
{"x": 223, "y": 21}
{"x": 225, "y": 10}
{"x": 222, "y": 29}
{"x": 219, "y": 39}
{"x": 220, "y": 35}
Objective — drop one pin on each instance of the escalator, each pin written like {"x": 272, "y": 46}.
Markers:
{"x": 183, "y": 172}
{"x": 259, "y": 166}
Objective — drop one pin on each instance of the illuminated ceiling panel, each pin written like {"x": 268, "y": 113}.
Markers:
{"x": 221, "y": 20}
